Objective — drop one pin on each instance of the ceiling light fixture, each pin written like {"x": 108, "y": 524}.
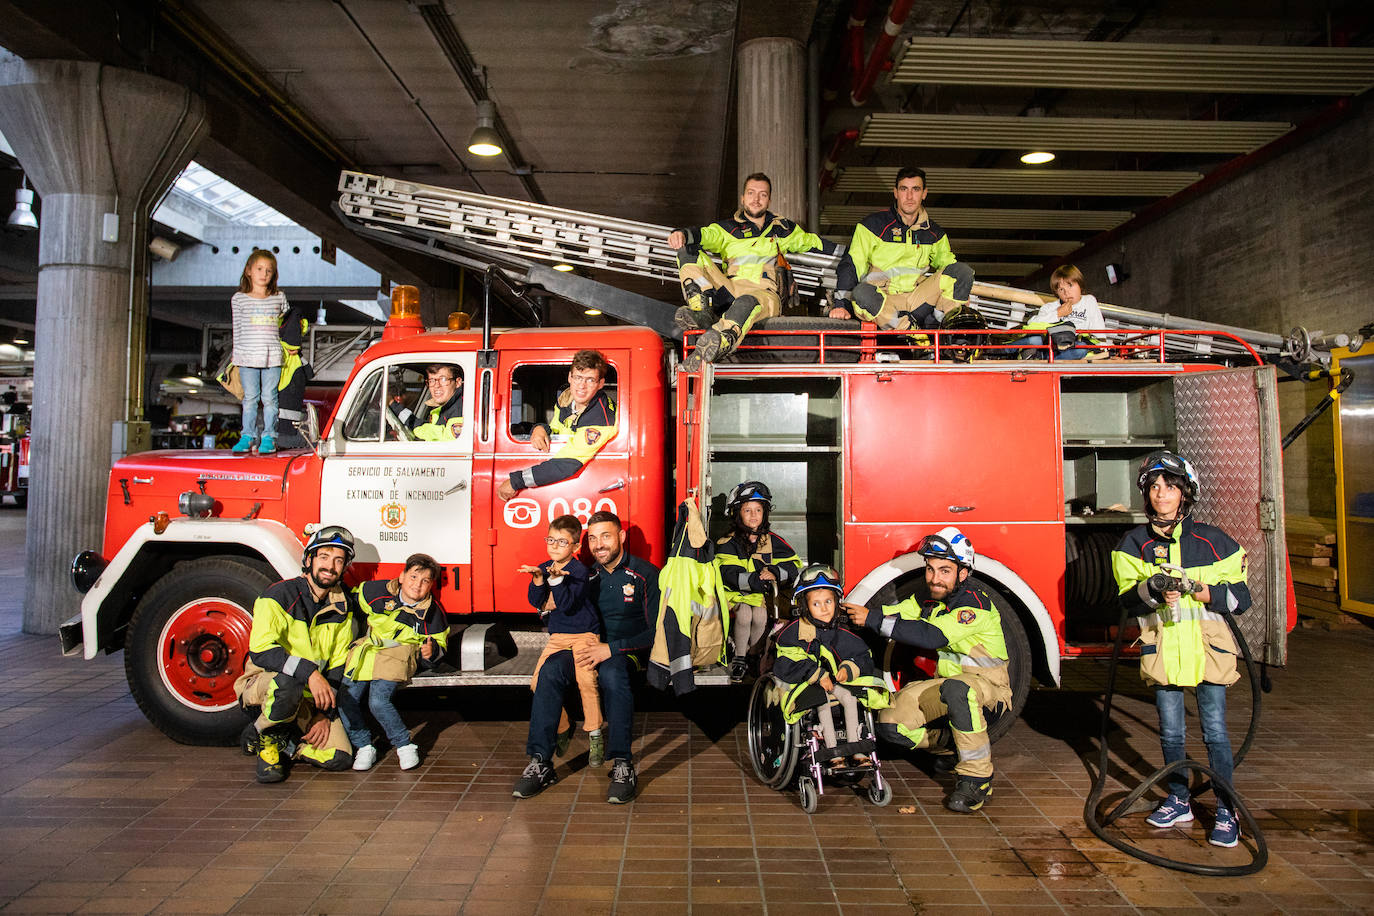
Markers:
{"x": 20, "y": 341}
{"x": 562, "y": 267}
{"x": 592, "y": 312}
{"x": 23, "y": 216}
{"x": 485, "y": 141}
{"x": 1037, "y": 158}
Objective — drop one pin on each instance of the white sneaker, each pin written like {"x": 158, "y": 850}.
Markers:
{"x": 365, "y": 758}
{"x": 409, "y": 756}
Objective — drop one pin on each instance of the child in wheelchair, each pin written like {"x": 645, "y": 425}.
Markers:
{"x": 821, "y": 663}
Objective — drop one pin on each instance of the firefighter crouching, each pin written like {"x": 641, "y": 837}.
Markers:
{"x": 959, "y": 621}
{"x": 302, "y": 629}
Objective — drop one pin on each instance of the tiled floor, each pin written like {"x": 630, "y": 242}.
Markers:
{"x": 101, "y": 814}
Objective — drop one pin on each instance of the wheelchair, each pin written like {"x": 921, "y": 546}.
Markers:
{"x": 782, "y": 753}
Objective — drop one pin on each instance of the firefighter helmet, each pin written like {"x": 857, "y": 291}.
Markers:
{"x": 749, "y": 491}
{"x": 329, "y": 536}
{"x": 1166, "y": 462}
{"x": 1063, "y": 336}
{"x": 949, "y": 543}
{"x": 964, "y": 346}
{"x": 818, "y": 576}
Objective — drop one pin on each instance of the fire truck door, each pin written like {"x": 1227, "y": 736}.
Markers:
{"x": 529, "y": 383}
{"x": 398, "y": 493}
{"x": 1228, "y": 427}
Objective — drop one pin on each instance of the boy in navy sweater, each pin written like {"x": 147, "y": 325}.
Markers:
{"x": 559, "y": 591}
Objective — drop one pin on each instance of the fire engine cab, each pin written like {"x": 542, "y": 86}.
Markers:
{"x": 866, "y": 444}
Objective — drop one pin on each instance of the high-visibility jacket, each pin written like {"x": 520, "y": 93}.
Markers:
{"x": 295, "y": 372}
{"x": 588, "y": 430}
{"x": 1190, "y": 644}
{"x": 435, "y": 422}
{"x": 806, "y": 653}
{"x": 885, "y": 249}
{"x": 295, "y": 635}
{"x": 748, "y": 252}
{"x": 395, "y": 633}
{"x": 965, "y": 631}
{"x": 740, "y": 563}
{"x": 693, "y": 613}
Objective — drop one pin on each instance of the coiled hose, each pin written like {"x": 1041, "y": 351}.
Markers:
{"x": 1098, "y": 827}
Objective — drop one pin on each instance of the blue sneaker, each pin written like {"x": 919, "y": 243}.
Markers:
{"x": 268, "y": 446}
{"x": 244, "y": 445}
{"x": 1226, "y": 830}
{"x": 1173, "y": 810}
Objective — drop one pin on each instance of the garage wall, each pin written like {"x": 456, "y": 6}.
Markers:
{"x": 1289, "y": 243}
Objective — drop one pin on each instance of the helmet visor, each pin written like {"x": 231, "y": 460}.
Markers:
{"x": 935, "y": 546}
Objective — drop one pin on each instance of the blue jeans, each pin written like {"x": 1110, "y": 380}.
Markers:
{"x": 379, "y": 703}
{"x": 259, "y": 383}
{"x": 557, "y": 677}
{"x": 1038, "y": 340}
{"x": 1211, "y": 707}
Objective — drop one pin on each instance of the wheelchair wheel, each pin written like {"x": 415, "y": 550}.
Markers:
{"x": 773, "y": 745}
{"x": 880, "y": 797}
{"x": 810, "y": 798}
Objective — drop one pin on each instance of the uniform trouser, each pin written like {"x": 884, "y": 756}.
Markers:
{"x": 1211, "y": 711}
{"x": 962, "y": 698}
{"x": 284, "y": 700}
{"x": 748, "y": 624}
{"x": 617, "y": 694}
{"x": 946, "y": 290}
{"x": 850, "y": 704}
{"x": 753, "y": 299}
{"x": 585, "y": 675}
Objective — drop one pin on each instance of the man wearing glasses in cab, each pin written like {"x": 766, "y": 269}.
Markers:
{"x": 583, "y": 413}
{"x": 440, "y": 417}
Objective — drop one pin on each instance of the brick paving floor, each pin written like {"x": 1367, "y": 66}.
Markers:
{"x": 99, "y": 813}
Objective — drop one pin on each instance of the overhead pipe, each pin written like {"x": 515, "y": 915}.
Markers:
{"x": 858, "y": 18}
{"x": 878, "y": 57}
{"x": 832, "y": 159}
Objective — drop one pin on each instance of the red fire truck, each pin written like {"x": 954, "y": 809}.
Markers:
{"x": 866, "y": 445}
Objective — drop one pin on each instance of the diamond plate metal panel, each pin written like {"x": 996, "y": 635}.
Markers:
{"x": 1225, "y": 429}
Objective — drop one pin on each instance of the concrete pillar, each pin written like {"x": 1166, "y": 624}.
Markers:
{"x": 94, "y": 140}
{"x": 771, "y": 130}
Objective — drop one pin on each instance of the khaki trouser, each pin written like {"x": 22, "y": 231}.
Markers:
{"x": 897, "y": 308}
{"x": 925, "y": 701}
{"x": 265, "y": 689}
{"x": 586, "y": 677}
{"x": 762, "y": 290}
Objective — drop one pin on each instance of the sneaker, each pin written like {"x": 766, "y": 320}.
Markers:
{"x": 409, "y": 756}
{"x": 268, "y": 446}
{"x": 244, "y": 445}
{"x": 739, "y": 670}
{"x": 365, "y": 758}
{"x": 562, "y": 741}
{"x": 624, "y": 783}
{"x": 969, "y": 794}
{"x": 597, "y": 755}
{"x": 537, "y": 777}
{"x": 271, "y": 760}
{"x": 250, "y": 739}
{"x": 1173, "y": 810}
{"x": 1226, "y": 830}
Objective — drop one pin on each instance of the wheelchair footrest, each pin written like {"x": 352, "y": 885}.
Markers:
{"x": 849, "y": 749}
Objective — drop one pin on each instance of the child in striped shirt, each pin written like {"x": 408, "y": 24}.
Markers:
{"x": 257, "y": 308}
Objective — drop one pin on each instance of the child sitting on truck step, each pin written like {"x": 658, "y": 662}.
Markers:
{"x": 559, "y": 590}
{"x": 406, "y": 630}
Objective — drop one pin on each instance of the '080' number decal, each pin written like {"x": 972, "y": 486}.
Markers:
{"x": 523, "y": 512}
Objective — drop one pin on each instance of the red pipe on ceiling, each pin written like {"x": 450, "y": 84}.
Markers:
{"x": 877, "y": 58}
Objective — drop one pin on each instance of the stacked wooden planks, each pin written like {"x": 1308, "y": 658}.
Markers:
{"x": 1312, "y": 559}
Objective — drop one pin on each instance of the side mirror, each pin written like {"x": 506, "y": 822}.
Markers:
{"x": 312, "y": 427}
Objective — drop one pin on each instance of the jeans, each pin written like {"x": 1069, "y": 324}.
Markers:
{"x": 617, "y": 699}
{"x": 259, "y": 383}
{"x": 1038, "y": 340}
{"x": 1211, "y": 706}
{"x": 379, "y": 703}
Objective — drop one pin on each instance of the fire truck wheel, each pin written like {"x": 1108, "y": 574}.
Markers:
{"x": 186, "y": 644}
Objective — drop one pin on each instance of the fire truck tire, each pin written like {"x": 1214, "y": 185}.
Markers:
{"x": 186, "y": 645}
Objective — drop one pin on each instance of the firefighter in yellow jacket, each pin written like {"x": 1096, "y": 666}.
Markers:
{"x": 900, "y": 272}
{"x": 1178, "y": 576}
{"x": 302, "y": 629}
{"x": 962, "y": 624}
{"x": 584, "y": 414}
{"x": 750, "y": 243}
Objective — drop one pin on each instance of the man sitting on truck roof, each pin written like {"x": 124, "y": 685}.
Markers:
{"x": 302, "y": 629}
{"x": 909, "y": 275}
{"x": 584, "y": 413}
{"x": 751, "y": 243}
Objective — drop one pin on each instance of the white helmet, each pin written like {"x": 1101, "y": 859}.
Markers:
{"x": 949, "y": 543}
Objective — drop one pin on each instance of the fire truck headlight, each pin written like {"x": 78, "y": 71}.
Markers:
{"x": 195, "y": 505}
{"x": 86, "y": 568}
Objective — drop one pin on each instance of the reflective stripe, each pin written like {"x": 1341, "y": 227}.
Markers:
{"x": 978, "y": 753}
{"x": 385, "y": 643}
{"x": 680, "y": 664}
{"x": 898, "y": 270}
{"x": 1143, "y": 592}
{"x": 887, "y": 626}
{"x": 1181, "y": 615}
{"x": 971, "y": 661}
{"x": 705, "y": 611}
{"x": 1231, "y": 602}
{"x": 751, "y": 259}
{"x": 292, "y": 663}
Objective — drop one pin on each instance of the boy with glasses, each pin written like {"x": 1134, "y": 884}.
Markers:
{"x": 559, "y": 591}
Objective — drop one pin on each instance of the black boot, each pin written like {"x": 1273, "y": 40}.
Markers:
{"x": 969, "y": 794}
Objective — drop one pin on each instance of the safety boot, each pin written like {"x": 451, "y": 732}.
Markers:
{"x": 250, "y": 740}
{"x": 687, "y": 319}
{"x": 969, "y": 794}
{"x": 272, "y": 760}
{"x": 711, "y": 346}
